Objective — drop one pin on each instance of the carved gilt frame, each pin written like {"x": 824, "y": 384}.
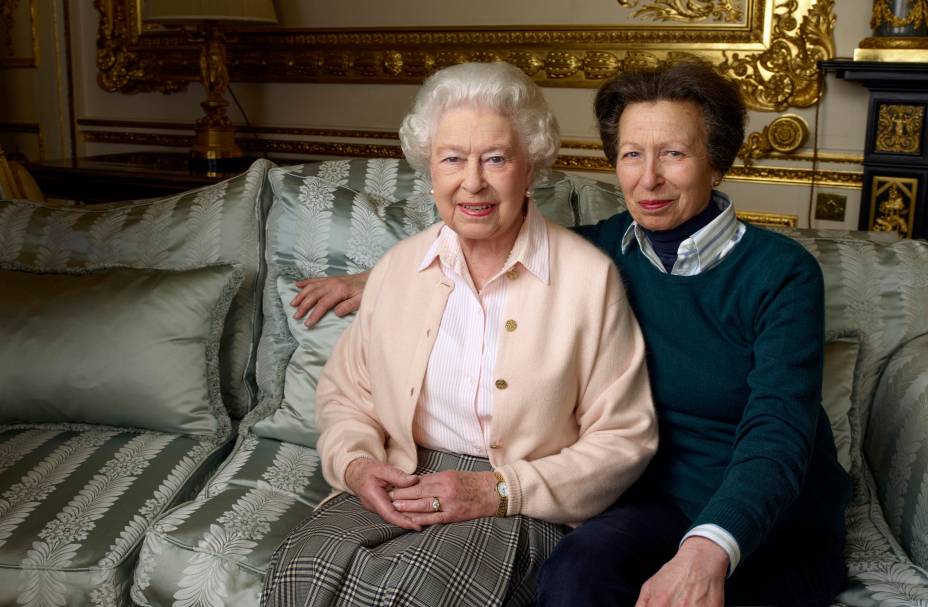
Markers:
{"x": 771, "y": 51}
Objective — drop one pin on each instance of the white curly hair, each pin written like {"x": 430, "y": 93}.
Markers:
{"x": 499, "y": 87}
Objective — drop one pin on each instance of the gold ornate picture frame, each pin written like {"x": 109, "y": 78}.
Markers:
{"x": 770, "y": 47}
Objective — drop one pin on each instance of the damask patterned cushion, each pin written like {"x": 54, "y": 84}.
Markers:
{"x": 127, "y": 347}
{"x": 75, "y": 503}
{"x": 215, "y": 549}
{"x": 896, "y": 447}
{"x": 340, "y": 217}
{"x": 221, "y": 223}
{"x": 877, "y": 292}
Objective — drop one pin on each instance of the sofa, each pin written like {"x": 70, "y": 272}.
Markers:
{"x": 157, "y": 436}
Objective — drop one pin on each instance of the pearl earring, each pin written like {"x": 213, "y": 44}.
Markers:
{"x": 432, "y": 192}
{"x": 528, "y": 193}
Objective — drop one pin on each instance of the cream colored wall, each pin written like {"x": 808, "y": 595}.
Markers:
{"x": 34, "y": 117}
{"x": 841, "y": 120}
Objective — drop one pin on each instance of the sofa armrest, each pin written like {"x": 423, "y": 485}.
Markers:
{"x": 896, "y": 446}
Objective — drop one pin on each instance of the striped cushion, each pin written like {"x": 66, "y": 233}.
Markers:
{"x": 215, "y": 549}
{"x": 75, "y": 502}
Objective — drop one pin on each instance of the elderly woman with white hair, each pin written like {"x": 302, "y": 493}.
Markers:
{"x": 487, "y": 394}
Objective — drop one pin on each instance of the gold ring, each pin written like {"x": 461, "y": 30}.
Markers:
{"x": 436, "y": 505}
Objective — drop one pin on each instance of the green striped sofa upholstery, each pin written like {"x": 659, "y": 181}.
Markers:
{"x": 86, "y": 468}
{"x": 113, "y": 514}
{"x": 327, "y": 218}
{"x": 877, "y": 293}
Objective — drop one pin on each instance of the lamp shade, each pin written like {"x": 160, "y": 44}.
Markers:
{"x": 180, "y": 11}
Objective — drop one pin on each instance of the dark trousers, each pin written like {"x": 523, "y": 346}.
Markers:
{"x": 606, "y": 560}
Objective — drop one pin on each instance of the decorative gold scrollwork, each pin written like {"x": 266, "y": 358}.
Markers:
{"x": 899, "y": 128}
{"x": 883, "y": 14}
{"x": 773, "y": 60}
{"x": 786, "y": 74}
{"x": 121, "y": 69}
{"x": 785, "y": 135}
{"x": 894, "y": 200}
{"x": 688, "y": 10}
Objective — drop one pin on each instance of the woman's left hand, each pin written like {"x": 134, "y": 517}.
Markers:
{"x": 695, "y": 577}
{"x": 462, "y": 496}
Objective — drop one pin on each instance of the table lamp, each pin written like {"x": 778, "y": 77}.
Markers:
{"x": 214, "y": 148}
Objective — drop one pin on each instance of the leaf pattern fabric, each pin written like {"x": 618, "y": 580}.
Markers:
{"x": 75, "y": 509}
{"x": 216, "y": 554}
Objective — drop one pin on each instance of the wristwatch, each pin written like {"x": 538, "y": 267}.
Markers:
{"x": 502, "y": 490}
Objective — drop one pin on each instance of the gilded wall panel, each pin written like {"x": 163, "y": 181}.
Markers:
{"x": 770, "y": 47}
{"x": 899, "y": 128}
{"x": 19, "y": 38}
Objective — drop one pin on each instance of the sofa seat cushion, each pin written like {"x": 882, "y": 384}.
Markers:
{"x": 879, "y": 572}
{"x": 215, "y": 549}
{"x": 75, "y": 502}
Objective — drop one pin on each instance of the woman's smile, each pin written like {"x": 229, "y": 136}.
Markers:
{"x": 476, "y": 209}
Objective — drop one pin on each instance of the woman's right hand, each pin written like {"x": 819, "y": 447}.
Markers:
{"x": 322, "y": 294}
{"x": 372, "y": 481}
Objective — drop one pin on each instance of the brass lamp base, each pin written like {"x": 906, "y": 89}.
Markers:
{"x": 215, "y": 151}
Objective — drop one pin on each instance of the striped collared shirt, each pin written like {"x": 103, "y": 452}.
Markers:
{"x": 704, "y": 249}
{"x": 455, "y": 407}
{"x": 701, "y": 251}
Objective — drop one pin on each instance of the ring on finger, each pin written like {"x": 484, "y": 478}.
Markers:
{"x": 436, "y": 504}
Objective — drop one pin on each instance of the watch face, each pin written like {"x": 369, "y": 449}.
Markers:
{"x": 503, "y": 489}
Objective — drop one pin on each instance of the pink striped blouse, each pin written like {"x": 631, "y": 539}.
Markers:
{"x": 455, "y": 408}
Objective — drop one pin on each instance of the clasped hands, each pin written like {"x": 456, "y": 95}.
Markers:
{"x": 407, "y": 500}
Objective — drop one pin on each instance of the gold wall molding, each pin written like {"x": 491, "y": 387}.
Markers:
{"x": 688, "y": 11}
{"x": 771, "y": 53}
{"x": 785, "y": 135}
{"x": 769, "y": 220}
{"x": 899, "y": 128}
{"x": 892, "y": 204}
{"x": 8, "y": 15}
{"x": 114, "y": 132}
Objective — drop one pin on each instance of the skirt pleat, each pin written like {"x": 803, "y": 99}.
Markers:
{"x": 345, "y": 555}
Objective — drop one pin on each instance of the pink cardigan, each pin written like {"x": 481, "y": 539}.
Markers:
{"x": 573, "y": 422}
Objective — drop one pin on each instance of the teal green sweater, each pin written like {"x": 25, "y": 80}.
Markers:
{"x": 735, "y": 360}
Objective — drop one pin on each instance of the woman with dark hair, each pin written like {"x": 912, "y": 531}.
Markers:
{"x": 744, "y": 502}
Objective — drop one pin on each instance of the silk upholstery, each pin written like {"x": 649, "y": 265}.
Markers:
{"x": 876, "y": 294}
{"x": 96, "y": 348}
{"x": 339, "y": 217}
{"x": 220, "y": 223}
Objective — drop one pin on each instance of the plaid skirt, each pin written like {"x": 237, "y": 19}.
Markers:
{"x": 345, "y": 555}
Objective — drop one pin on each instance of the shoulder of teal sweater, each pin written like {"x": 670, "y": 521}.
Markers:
{"x": 781, "y": 248}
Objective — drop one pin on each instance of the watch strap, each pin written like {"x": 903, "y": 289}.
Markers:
{"x": 503, "y": 507}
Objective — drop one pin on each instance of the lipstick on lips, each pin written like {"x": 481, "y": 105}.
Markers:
{"x": 476, "y": 209}
{"x": 654, "y": 204}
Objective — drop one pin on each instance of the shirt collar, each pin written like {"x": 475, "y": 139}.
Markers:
{"x": 699, "y": 251}
{"x": 530, "y": 248}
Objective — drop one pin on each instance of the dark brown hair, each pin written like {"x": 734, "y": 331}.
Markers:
{"x": 719, "y": 101}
